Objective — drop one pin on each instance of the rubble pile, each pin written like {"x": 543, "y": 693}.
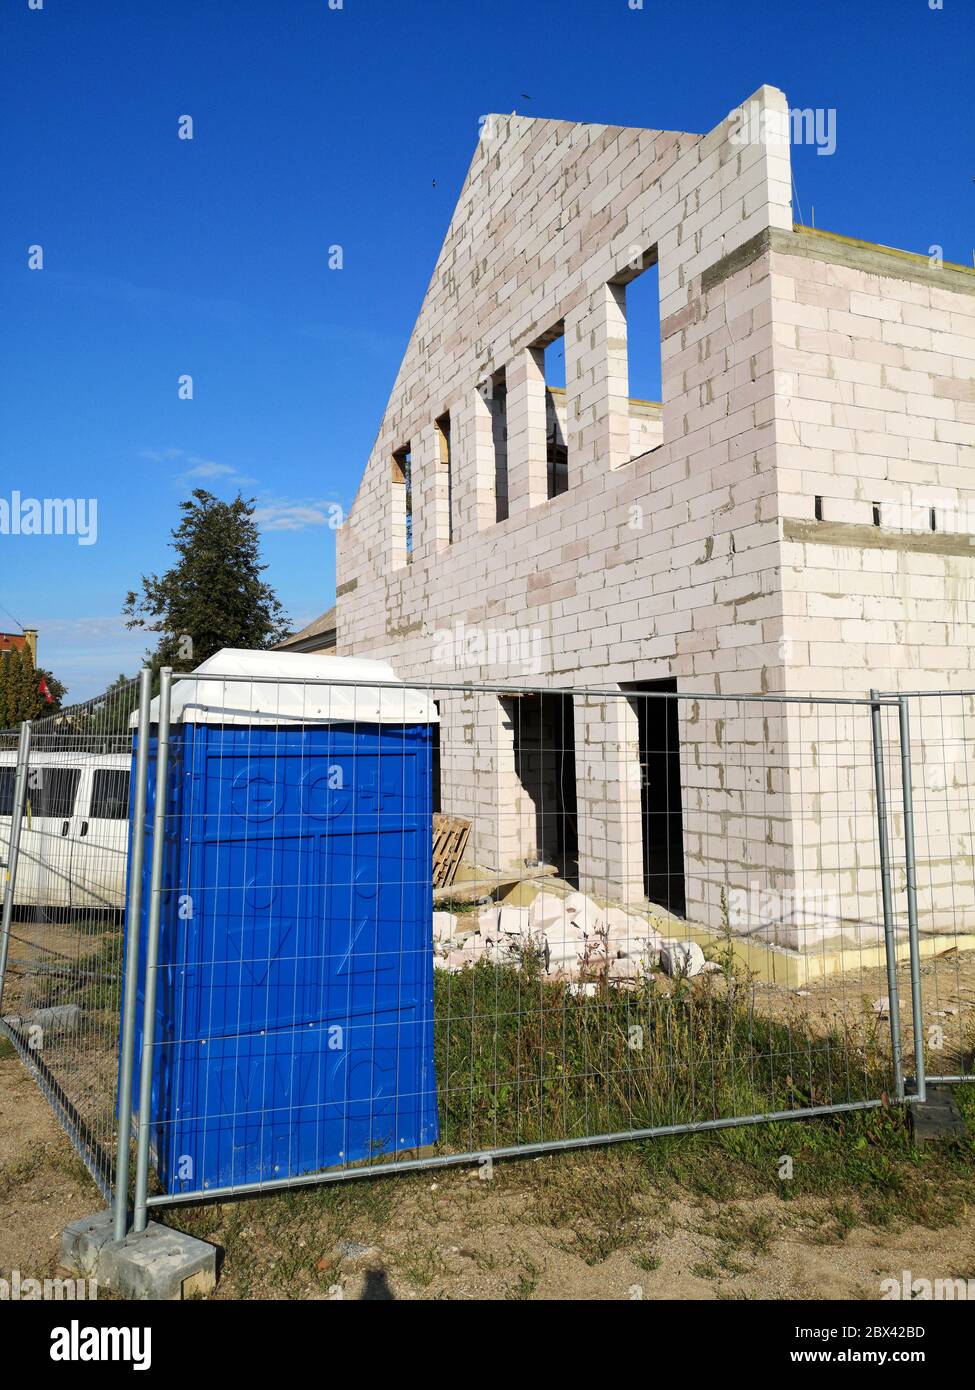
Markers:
{"x": 572, "y": 937}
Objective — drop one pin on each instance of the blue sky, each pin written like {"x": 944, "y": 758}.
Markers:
{"x": 312, "y": 127}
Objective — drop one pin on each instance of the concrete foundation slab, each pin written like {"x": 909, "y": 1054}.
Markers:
{"x": 159, "y": 1263}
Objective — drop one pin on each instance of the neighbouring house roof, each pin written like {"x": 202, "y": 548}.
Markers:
{"x": 318, "y": 636}
{"x": 20, "y": 642}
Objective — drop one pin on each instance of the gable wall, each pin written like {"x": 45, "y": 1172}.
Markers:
{"x": 628, "y": 574}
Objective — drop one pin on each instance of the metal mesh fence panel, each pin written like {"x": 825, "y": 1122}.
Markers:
{"x": 387, "y": 925}
{"x": 653, "y": 912}
{"x": 63, "y": 976}
{"x": 941, "y": 739}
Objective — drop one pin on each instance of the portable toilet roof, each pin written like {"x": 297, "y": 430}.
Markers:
{"x": 294, "y": 688}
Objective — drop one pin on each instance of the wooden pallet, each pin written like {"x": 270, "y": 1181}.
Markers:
{"x": 450, "y": 836}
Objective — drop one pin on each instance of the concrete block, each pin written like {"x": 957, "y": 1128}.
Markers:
{"x": 583, "y": 912}
{"x": 681, "y": 958}
{"x": 159, "y": 1263}
{"x": 513, "y": 921}
{"x": 444, "y": 926}
{"x": 938, "y": 1118}
{"x": 60, "y": 1018}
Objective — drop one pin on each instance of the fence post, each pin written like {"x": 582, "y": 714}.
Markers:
{"x": 890, "y": 946}
{"x": 152, "y": 953}
{"x": 13, "y": 848}
{"x": 134, "y": 921}
{"x": 910, "y": 864}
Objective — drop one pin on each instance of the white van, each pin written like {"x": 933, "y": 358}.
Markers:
{"x": 75, "y": 833}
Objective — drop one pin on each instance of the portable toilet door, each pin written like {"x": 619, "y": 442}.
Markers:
{"x": 294, "y": 1020}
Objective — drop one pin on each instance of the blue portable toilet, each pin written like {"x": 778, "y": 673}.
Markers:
{"x": 294, "y": 1004}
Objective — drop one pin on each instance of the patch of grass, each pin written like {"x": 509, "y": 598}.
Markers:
{"x": 869, "y": 1152}
{"x": 739, "y": 1230}
{"x": 20, "y": 1172}
{"x": 93, "y": 981}
{"x": 848, "y": 1171}
{"x": 588, "y": 1201}
{"x": 648, "y": 1262}
{"x": 519, "y": 1059}
{"x": 95, "y": 926}
{"x": 101, "y": 984}
{"x": 527, "y": 1281}
{"x": 965, "y": 1100}
{"x": 459, "y": 907}
{"x": 726, "y": 1262}
{"x": 420, "y": 1263}
{"x": 483, "y": 1259}
{"x": 43, "y": 1158}
{"x": 736, "y": 1228}
{"x": 283, "y": 1244}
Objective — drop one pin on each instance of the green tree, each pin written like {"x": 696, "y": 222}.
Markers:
{"x": 214, "y": 595}
{"x": 5, "y": 722}
{"x": 55, "y": 688}
{"x": 15, "y": 688}
{"x": 109, "y": 713}
{"x": 18, "y": 692}
{"x": 20, "y": 696}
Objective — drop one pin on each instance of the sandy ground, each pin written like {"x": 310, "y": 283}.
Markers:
{"x": 477, "y": 1255}
{"x": 43, "y": 1184}
{"x": 450, "y": 1235}
{"x": 458, "y": 1237}
{"x": 848, "y": 1000}
{"x": 53, "y": 964}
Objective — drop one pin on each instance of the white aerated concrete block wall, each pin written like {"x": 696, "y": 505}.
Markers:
{"x": 876, "y": 417}
{"x": 686, "y": 545}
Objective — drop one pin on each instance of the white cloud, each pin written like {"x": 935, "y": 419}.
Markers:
{"x": 160, "y": 455}
{"x": 271, "y": 513}
{"x": 206, "y": 468}
{"x": 87, "y": 654}
{"x": 280, "y": 514}
{"x": 196, "y": 469}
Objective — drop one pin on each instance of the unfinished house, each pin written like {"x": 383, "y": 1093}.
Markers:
{"x": 791, "y": 515}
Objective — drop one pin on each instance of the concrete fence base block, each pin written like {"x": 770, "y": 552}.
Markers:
{"x": 159, "y": 1263}
{"x": 62, "y": 1018}
{"x": 938, "y": 1117}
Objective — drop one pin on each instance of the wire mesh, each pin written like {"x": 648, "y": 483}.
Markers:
{"x": 942, "y": 745}
{"x": 667, "y": 915}
{"x": 408, "y": 925}
{"x": 63, "y": 978}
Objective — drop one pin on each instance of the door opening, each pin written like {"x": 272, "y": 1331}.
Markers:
{"x": 661, "y": 810}
{"x": 435, "y": 762}
{"x": 545, "y": 763}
